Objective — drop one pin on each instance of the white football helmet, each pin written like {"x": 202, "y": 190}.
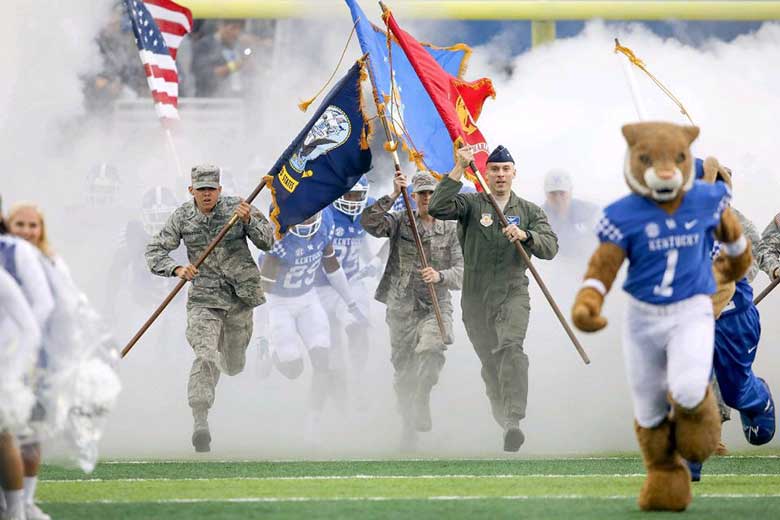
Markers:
{"x": 309, "y": 227}
{"x": 354, "y": 208}
{"x": 157, "y": 205}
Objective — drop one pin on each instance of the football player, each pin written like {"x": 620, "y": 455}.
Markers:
{"x": 295, "y": 312}
{"x": 350, "y": 246}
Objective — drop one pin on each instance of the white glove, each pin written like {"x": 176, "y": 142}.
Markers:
{"x": 356, "y": 313}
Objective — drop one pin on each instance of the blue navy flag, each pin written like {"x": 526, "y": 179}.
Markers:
{"x": 409, "y": 109}
{"x": 326, "y": 159}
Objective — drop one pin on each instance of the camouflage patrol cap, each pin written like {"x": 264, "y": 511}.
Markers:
{"x": 205, "y": 176}
{"x": 423, "y": 181}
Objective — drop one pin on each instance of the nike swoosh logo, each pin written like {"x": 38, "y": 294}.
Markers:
{"x": 689, "y": 225}
{"x": 750, "y": 350}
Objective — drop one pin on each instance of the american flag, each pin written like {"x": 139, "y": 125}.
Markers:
{"x": 159, "y": 26}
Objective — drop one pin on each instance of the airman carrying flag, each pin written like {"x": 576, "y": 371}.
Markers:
{"x": 458, "y": 102}
{"x": 326, "y": 159}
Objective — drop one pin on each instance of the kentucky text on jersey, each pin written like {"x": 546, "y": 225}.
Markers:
{"x": 675, "y": 241}
{"x": 348, "y": 238}
{"x": 668, "y": 255}
{"x": 300, "y": 259}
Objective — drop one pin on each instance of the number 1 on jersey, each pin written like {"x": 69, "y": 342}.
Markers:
{"x": 665, "y": 289}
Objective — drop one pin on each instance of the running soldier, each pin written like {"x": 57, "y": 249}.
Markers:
{"x": 495, "y": 299}
{"x": 768, "y": 250}
{"x": 224, "y": 289}
{"x": 415, "y": 339}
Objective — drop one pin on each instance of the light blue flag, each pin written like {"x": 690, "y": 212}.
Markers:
{"x": 414, "y": 117}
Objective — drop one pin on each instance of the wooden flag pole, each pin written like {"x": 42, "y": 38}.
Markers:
{"x": 393, "y": 145}
{"x": 202, "y": 258}
{"x": 527, "y": 260}
{"x": 766, "y": 291}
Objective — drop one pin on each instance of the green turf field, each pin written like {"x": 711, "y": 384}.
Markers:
{"x": 735, "y": 487}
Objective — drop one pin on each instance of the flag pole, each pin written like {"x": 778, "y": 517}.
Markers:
{"x": 202, "y": 258}
{"x": 766, "y": 291}
{"x": 172, "y": 146}
{"x": 520, "y": 249}
{"x": 393, "y": 149}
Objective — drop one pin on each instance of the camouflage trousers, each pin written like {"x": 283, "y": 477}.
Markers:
{"x": 417, "y": 351}
{"x": 219, "y": 339}
{"x": 497, "y": 334}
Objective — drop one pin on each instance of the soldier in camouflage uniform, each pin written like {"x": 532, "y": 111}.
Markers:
{"x": 768, "y": 250}
{"x": 417, "y": 346}
{"x": 224, "y": 289}
{"x": 495, "y": 301}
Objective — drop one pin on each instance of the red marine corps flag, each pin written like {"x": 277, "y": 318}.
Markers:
{"x": 458, "y": 102}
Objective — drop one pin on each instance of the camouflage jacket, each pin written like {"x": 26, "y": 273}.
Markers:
{"x": 401, "y": 281}
{"x": 229, "y": 273}
{"x": 751, "y": 233}
{"x": 768, "y": 251}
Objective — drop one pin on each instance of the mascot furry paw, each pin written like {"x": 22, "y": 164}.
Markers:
{"x": 666, "y": 229}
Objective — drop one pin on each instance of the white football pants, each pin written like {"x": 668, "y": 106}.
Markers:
{"x": 294, "y": 319}
{"x": 668, "y": 350}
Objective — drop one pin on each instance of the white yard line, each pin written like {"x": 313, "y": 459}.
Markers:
{"x": 391, "y": 477}
{"x": 347, "y": 461}
{"x": 384, "y": 499}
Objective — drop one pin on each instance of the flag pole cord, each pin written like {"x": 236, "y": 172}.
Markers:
{"x": 634, "y": 60}
{"x": 202, "y": 258}
{"x": 303, "y": 105}
{"x": 392, "y": 148}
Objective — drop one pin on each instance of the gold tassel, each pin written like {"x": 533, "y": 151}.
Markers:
{"x": 391, "y": 146}
{"x": 628, "y": 53}
{"x": 304, "y": 105}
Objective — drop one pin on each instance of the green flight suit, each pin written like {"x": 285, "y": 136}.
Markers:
{"x": 495, "y": 301}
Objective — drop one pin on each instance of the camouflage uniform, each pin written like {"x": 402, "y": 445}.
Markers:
{"x": 768, "y": 251}
{"x": 495, "y": 300}
{"x": 417, "y": 348}
{"x": 221, "y": 297}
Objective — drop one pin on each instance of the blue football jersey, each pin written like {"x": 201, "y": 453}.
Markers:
{"x": 300, "y": 258}
{"x": 348, "y": 240}
{"x": 668, "y": 255}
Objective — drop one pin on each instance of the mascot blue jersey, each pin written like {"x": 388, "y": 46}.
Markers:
{"x": 669, "y": 255}
{"x": 300, "y": 259}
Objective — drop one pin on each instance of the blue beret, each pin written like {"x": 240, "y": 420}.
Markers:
{"x": 500, "y": 154}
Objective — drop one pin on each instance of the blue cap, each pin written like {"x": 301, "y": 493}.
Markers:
{"x": 500, "y": 154}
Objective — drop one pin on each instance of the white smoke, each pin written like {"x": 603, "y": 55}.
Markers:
{"x": 562, "y": 107}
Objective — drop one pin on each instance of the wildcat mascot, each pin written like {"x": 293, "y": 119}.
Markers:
{"x": 666, "y": 228}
